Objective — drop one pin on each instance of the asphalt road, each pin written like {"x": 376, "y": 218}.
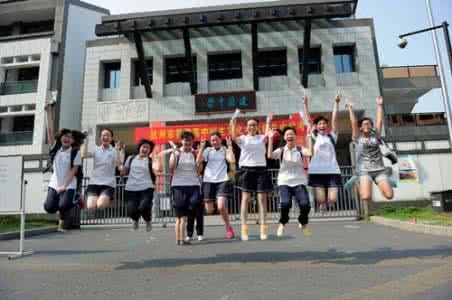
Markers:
{"x": 340, "y": 261}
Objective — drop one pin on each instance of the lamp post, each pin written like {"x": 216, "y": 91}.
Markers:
{"x": 445, "y": 96}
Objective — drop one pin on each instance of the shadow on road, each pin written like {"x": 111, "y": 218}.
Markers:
{"x": 316, "y": 257}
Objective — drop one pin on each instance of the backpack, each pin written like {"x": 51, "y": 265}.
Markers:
{"x": 230, "y": 167}
{"x": 299, "y": 149}
{"x": 151, "y": 171}
{"x": 178, "y": 159}
{"x": 330, "y": 136}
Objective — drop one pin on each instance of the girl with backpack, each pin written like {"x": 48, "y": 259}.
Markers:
{"x": 324, "y": 172}
{"x": 253, "y": 175}
{"x": 107, "y": 158}
{"x": 292, "y": 180}
{"x": 369, "y": 158}
{"x": 217, "y": 185}
{"x": 139, "y": 190}
{"x": 185, "y": 184}
{"x": 65, "y": 161}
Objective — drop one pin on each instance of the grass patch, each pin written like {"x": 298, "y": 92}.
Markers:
{"x": 424, "y": 215}
{"x": 12, "y": 223}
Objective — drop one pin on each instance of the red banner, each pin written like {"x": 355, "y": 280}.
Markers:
{"x": 164, "y": 134}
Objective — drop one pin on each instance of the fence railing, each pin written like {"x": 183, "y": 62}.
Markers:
{"x": 162, "y": 212}
{"x": 18, "y": 87}
{"x": 16, "y": 138}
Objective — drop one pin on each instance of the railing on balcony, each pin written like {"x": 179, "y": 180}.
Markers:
{"x": 18, "y": 87}
{"x": 16, "y": 138}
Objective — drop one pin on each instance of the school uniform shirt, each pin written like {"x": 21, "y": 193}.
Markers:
{"x": 216, "y": 169}
{"x": 62, "y": 167}
{"x": 185, "y": 173}
{"x": 253, "y": 151}
{"x": 291, "y": 172}
{"x": 139, "y": 178}
{"x": 104, "y": 166}
{"x": 324, "y": 159}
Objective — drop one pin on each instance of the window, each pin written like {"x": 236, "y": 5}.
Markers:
{"x": 149, "y": 68}
{"x": 112, "y": 74}
{"x": 28, "y": 74}
{"x": 272, "y": 63}
{"x": 6, "y": 30}
{"x": 177, "y": 69}
{"x": 314, "y": 60}
{"x": 344, "y": 58}
{"x": 25, "y": 123}
{"x": 35, "y": 27}
{"x": 225, "y": 66}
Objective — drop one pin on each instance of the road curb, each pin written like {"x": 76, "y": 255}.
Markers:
{"x": 28, "y": 233}
{"x": 420, "y": 228}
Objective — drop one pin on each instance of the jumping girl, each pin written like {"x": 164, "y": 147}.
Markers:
{"x": 292, "y": 180}
{"x": 217, "y": 185}
{"x": 65, "y": 161}
{"x": 106, "y": 158}
{"x": 253, "y": 175}
{"x": 324, "y": 171}
{"x": 185, "y": 184}
{"x": 369, "y": 159}
{"x": 139, "y": 191}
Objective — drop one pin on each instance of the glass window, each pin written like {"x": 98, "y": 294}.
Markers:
{"x": 272, "y": 63}
{"x": 178, "y": 70}
{"x": 28, "y": 74}
{"x": 23, "y": 123}
{"x": 225, "y": 66}
{"x": 149, "y": 68}
{"x": 35, "y": 27}
{"x": 314, "y": 60}
{"x": 112, "y": 74}
{"x": 344, "y": 59}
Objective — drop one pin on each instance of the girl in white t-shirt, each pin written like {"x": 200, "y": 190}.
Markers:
{"x": 324, "y": 172}
{"x": 106, "y": 158}
{"x": 253, "y": 175}
{"x": 292, "y": 180}
{"x": 64, "y": 162}
{"x": 139, "y": 190}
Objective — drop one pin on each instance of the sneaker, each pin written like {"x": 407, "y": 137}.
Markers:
{"x": 185, "y": 243}
{"x": 135, "y": 225}
{"x": 264, "y": 232}
{"x": 188, "y": 239}
{"x": 200, "y": 238}
{"x": 280, "y": 231}
{"x": 230, "y": 232}
{"x": 245, "y": 235}
{"x": 61, "y": 226}
{"x": 306, "y": 231}
{"x": 148, "y": 226}
{"x": 178, "y": 243}
{"x": 300, "y": 226}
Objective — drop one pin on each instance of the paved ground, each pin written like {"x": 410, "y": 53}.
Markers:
{"x": 340, "y": 261}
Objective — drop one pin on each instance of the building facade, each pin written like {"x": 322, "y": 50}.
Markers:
{"x": 41, "y": 50}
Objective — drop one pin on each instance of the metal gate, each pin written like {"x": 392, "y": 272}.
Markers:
{"x": 348, "y": 204}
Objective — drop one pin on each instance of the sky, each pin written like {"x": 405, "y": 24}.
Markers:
{"x": 391, "y": 17}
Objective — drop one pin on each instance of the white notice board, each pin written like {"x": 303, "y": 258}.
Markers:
{"x": 11, "y": 168}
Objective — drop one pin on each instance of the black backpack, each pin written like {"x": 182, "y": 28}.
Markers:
{"x": 151, "y": 171}
{"x": 299, "y": 149}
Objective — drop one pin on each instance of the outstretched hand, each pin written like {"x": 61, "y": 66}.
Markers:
{"x": 380, "y": 100}
{"x": 229, "y": 141}
{"x": 338, "y": 98}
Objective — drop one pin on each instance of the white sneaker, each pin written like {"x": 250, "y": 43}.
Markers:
{"x": 135, "y": 225}
{"x": 188, "y": 239}
{"x": 200, "y": 238}
{"x": 148, "y": 226}
{"x": 61, "y": 226}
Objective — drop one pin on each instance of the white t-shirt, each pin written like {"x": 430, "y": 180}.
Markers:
{"x": 62, "y": 167}
{"x": 139, "y": 177}
{"x": 185, "y": 173}
{"x": 324, "y": 159}
{"x": 216, "y": 169}
{"x": 253, "y": 151}
{"x": 104, "y": 167}
{"x": 291, "y": 172}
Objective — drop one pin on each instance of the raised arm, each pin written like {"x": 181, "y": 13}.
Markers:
{"x": 50, "y": 121}
{"x": 119, "y": 153}
{"x": 306, "y": 111}
{"x": 270, "y": 145}
{"x": 353, "y": 121}
{"x": 379, "y": 115}
{"x": 230, "y": 150}
{"x": 232, "y": 126}
{"x": 202, "y": 147}
{"x": 156, "y": 164}
{"x": 268, "y": 124}
{"x": 337, "y": 100}
{"x": 307, "y": 151}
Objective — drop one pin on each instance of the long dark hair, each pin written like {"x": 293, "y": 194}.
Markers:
{"x": 112, "y": 143}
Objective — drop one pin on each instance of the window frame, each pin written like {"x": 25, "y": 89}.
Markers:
{"x": 228, "y": 66}
{"x": 264, "y": 66}
{"x": 181, "y": 67}
{"x": 344, "y": 66}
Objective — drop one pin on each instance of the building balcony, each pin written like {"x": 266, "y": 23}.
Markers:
{"x": 16, "y": 138}
{"x": 18, "y": 87}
